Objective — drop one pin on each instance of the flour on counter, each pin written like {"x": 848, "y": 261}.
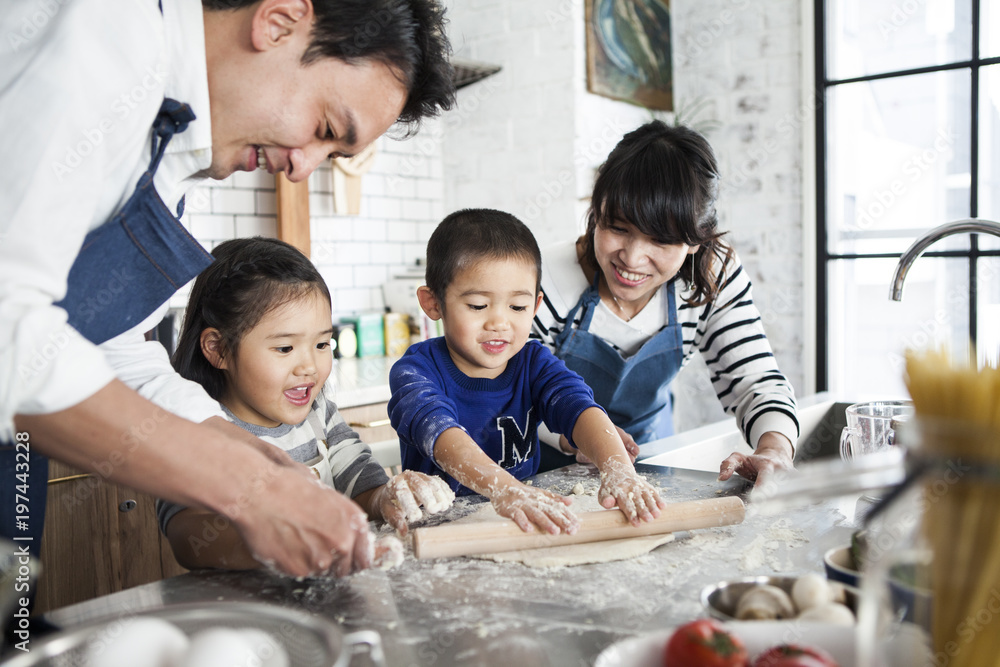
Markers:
{"x": 765, "y": 548}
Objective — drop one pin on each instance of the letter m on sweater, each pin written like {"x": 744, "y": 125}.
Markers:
{"x": 518, "y": 444}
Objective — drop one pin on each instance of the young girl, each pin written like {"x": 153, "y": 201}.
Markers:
{"x": 256, "y": 336}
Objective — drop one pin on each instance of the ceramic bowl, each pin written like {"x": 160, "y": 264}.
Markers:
{"x": 839, "y": 565}
{"x": 720, "y": 599}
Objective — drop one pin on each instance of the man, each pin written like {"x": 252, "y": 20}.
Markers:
{"x": 90, "y": 246}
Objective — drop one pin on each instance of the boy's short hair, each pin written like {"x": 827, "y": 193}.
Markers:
{"x": 473, "y": 234}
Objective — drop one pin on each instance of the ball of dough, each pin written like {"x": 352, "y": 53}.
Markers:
{"x": 833, "y": 613}
{"x": 764, "y": 603}
{"x": 810, "y": 590}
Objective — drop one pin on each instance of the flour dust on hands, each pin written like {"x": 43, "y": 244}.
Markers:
{"x": 621, "y": 485}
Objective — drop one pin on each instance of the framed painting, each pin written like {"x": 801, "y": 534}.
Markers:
{"x": 628, "y": 51}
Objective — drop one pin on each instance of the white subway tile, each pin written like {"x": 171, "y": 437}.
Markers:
{"x": 256, "y": 225}
{"x": 213, "y": 226}
{"x": 227, "y": 200}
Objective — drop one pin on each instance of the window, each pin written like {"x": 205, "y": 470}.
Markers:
{"x": 908, "y": 138}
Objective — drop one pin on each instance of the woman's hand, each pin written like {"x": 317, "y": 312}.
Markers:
{"x": 774, "y": 452}
{"x": 630, "y": 447}
{"x": 535, "y": 509}
{"x": 621, "y": 485}
{"x": 399, "y": 501}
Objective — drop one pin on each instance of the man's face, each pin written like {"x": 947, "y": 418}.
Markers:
{"x": 271, "y": 111}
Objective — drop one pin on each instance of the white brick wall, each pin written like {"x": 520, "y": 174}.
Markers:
{"x": 527, "y": 140}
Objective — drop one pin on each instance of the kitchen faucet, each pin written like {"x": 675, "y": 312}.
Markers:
{"x": 969, "y": 226}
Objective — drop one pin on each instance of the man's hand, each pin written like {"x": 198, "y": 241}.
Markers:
{"x": 303, "y": 527}
{"x": 774, "y": 452}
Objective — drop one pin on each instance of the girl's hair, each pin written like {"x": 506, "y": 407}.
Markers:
{"x": 249, "y": 278}
{"x": 664, "y": 180}
{"x": 473, "y": 234}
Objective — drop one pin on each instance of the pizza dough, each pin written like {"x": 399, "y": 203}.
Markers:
{"x": 572, "y": 554}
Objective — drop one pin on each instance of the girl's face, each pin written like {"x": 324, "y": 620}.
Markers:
{"x": 633, "y": 263}
{"x": 281, "y": 364}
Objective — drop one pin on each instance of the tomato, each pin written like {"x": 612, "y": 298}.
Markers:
{"x": 794, "y": 655}
{"x": 704, "y": 643}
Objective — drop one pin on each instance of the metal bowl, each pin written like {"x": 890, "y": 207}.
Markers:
{"x": 720, "y": 599}
{"x": 308, "y": 640}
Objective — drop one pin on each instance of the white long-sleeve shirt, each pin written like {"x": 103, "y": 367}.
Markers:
{"x": 80, "y": 86}
{"x": 728, "y": 332}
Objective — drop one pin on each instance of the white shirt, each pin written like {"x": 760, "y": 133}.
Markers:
{"x": 81, "y": 83}
{"x": 728, "y": 332}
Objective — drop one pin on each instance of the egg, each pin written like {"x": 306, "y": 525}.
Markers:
{"x": 137, "y": 642}
{"x": 833, "y": 613}
{"x": 268, "y": 648}
{"x": 811, "y": 590}
{"x": 221, "y": 647}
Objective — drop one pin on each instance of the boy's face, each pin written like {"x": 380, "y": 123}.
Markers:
{"x": 282, "y": 363}
{"x": 487, "y": 313}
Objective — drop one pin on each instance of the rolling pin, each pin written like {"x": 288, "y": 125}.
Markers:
{"x": 494, "y": 536}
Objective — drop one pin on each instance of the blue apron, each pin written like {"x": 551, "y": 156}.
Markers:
{"x": 635, "y": 391}
{"x": 126, "y": 269}
{"x": 132, "y": 264}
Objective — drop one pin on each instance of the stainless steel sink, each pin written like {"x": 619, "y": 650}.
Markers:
{"x": 821, "y": 420}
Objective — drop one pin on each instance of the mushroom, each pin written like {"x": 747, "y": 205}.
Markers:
{"x": 764, "y": 602}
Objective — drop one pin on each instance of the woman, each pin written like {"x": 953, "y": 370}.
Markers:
{"x": 649, "y": 283}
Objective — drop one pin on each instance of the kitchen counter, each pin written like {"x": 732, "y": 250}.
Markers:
{"x": 464, "y": 611}
{"x": 361, "y": 381}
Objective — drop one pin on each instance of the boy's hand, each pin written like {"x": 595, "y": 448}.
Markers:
{"x": 532, "y": 509}
{"x": 401, "y": 498}
{"x": 636, "y": 498}
{"x": 631, "y": 448}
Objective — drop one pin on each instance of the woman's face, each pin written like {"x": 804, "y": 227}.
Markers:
{"x": 634, "y": 264}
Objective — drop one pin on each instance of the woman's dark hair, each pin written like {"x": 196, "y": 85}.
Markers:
{"x": 407, "y": 35}
{"x": 473, "y": 234}
{"x": 249, "y": 278}
{"x": 664, "y": 180}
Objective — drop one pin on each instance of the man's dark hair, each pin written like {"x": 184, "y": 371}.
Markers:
{"x": 249, "y": 278}
{"x": 406, "y": 35}
{"x": 474, "y": 234}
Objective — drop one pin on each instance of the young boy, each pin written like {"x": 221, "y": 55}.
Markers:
{"x": 466, "y": 406}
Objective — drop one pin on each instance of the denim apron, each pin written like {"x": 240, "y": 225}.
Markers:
{"x": 635, "y": 391}
{"x": 132, "y": 264}
{"x": 127, "y": 268}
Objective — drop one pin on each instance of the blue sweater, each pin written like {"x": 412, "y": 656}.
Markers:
{"x": 430, "y": 395}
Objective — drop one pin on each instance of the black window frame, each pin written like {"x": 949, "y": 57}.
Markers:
{"x": 823, "y": 255}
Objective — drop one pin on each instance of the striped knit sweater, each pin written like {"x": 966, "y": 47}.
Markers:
{"x": 728, "y": 332}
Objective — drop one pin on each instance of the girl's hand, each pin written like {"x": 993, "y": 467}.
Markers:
{"x": 401, "y": 499}
{"x": 636, "y": 498}
{"x": 532, "y": 509}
